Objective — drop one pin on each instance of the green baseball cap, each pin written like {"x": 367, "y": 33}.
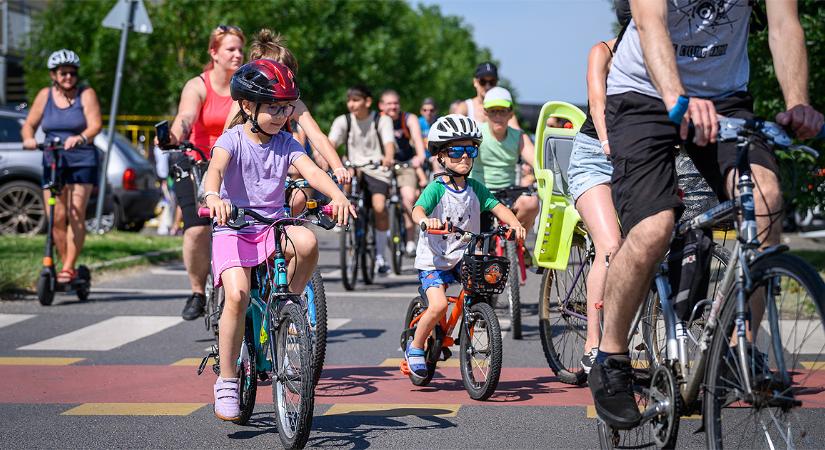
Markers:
{"x": 498, "y": 96}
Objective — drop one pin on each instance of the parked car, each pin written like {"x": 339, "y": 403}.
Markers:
{"x": 132, "y": 187}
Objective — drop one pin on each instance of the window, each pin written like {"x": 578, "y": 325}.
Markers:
{"x": 10, "y": 130}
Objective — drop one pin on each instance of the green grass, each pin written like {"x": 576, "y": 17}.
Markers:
{"x": 815, "y": 258}
{"x": 21, "y": 257}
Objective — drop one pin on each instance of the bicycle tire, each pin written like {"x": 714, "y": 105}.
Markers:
{"x": 293, "y": 417}
{"x": 396, "y": 241}
{"x": 368, "y": 246}
{"x": 723, "y": 362}
{"x": 653, "y": 323}
{"x": 214, "y": 306}
{"x": 319, "y": 334}
{"x": 481, "y": 314}
{"x": 348, "y": 256}
{"x": 562, "y": 334}
{"x": 513, "y": 296}
{"x": 247, "y": 374}
{"x": 416, "y": 306}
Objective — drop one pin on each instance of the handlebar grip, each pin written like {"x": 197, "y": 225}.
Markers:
{"x": 327, "y": 210}
{"x": 204, "y": 212}
{"x": 510, "y": 234}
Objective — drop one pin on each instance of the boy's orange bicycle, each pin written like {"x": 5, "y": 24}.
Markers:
{"x": 482, "y": 276}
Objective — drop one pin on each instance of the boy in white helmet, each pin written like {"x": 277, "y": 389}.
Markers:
{"x": 454, "y": 140}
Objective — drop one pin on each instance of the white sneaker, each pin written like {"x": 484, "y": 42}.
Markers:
{"x": 410, "y": 248}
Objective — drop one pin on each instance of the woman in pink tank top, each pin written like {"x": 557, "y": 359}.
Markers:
{"x": 204, "y": 105}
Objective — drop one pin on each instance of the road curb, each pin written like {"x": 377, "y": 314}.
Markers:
{"x": 126, "y": 259}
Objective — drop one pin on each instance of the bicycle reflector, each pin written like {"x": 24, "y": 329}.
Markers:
{"x": 312, "y": 204}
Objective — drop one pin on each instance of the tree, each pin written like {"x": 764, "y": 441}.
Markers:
{"x": 387, "y": 44}
{"x": 801, "y": 175}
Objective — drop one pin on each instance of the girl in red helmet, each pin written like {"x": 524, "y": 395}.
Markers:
{"x": 248, "y": 169}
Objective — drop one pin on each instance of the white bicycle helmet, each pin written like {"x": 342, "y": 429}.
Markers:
{"x": 63, "y": 57}
{"x": 451, "y": 128}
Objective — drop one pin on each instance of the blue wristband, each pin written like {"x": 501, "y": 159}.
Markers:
{"x": 679, "y": 109}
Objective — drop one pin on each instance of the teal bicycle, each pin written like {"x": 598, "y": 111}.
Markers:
{"x": 277, "y": 341}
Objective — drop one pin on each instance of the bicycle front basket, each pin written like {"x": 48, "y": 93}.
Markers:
{"x": 484, "y": 274}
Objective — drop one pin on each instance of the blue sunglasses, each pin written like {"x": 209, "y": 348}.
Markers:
{"x": 458, "y": 152}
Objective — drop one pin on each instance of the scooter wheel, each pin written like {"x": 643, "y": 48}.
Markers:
{"x": 45, "y": 288}
{"x": 83, "y": 283}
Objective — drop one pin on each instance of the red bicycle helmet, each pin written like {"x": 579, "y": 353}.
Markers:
{"x": 264, "y": 81}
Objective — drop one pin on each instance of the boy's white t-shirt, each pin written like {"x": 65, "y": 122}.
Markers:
{"x": 362, "y": 143}
{"x": 461, "y": 208}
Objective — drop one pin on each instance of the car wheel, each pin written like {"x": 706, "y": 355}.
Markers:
{"x": 21, "y": 209}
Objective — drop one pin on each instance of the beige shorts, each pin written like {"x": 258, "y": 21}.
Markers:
{"x": 407, "y": 177}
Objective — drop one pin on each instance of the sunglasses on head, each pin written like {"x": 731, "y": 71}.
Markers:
{"x": 488, "y": 82}
{"x": 458, "y": 151}
{"x": 227, "y": 28}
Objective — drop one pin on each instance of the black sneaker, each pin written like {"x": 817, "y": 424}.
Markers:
{"x": 194, "y": 307}
{"x": 611, "y": 384}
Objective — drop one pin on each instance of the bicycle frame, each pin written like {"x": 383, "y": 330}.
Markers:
{"x": 450, "y": 320}
{"x": 736, "y": 276}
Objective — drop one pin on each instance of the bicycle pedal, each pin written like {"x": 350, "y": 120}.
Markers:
{"x": 205, "y": 360}
{"x": 263, "y": 376}
{"x": 446, "y": 354}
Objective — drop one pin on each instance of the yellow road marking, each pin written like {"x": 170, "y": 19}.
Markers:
{"x": 591, "y": 414}
{"x": 192, "y": 362}
{"x": 134, "y": 409}
{"x": 393, "y": 409}
{"x": 396, "y": 362}
{"x": 813, "y": 365}
{"x": 724, "y": 235}
{"x": 37, "y": 361}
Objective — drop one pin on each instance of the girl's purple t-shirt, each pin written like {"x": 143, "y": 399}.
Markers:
{"x": 256, "y": 173}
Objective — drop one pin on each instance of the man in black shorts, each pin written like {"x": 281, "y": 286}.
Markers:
{"x": 674, "y": 57}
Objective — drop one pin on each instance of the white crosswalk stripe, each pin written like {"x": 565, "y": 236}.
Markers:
{"x": 11, "y": 319}
{"x": 108, "y": 334}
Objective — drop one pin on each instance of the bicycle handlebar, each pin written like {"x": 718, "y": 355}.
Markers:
{"x": 237, "y": 221}
{"x": 367, "y": 165}
{"x": 448, "y": 228}
{"x": 184, "y": 147}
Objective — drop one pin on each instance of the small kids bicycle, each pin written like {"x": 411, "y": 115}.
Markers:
{"x": 482, "y": 276}
{"x": 277, "y": 337}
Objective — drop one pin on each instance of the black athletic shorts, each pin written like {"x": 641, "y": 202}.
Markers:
{"x": 643, "y": 147}
{"x": 377, "y": 186}
{"x": 187, "y": 199}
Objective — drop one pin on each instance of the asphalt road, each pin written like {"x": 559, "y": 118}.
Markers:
{"x": 120, "y": 371}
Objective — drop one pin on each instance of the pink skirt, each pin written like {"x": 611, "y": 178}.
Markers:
{"x": 231, "y": 249}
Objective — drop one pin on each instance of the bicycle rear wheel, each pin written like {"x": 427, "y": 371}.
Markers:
{"x": 396, "y": 242}
{"x": 653, "y": 322}
{"x": 563, "y": 314}
{"x": 247, "y": 373}
{"x": 784, "y": 362}
{"x": 348, "y": 249}
{"x": 214, "y": 306}
{"x": 416, "y": 307}
{"x": 317, "y": 320}
{"x": 513, "y": 296}
{"x": 481, "y": 351}
{"x": 292, "y": 388}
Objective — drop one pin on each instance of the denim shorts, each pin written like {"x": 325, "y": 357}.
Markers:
{"x": 433, "y": 278}
{"x": 589, "y": 166}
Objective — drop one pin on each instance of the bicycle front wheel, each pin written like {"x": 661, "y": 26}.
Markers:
{"x": 563, "y": 314}
{"x": 317, "y": 319}
{"x": 292, "y": 389}
{"x": 396, "y": 241}
{"x": 513, "y": 296}
{"x": 780, "y": 360}
{"x": 348, "y": 256}
{"x": 481, "y": 351}
{"x": 368, "y": 247}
